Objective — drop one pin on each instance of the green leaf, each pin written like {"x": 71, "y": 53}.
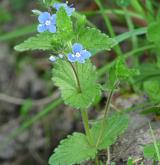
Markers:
{"x": 122, "y": 71}
{"x": 130, "y": 161}
{"x": 80, "y": 24}
{"x": 153, "y": 33}
{"x": 64, "y": 25}
{"x": 95, "y": 41}
{"x": 43, "y": 41}
{"x": 73, "y": 150}
{"x": 152, "y": 87}
{"x": 113, "y": 127}
{"x": 65, "y": 78}
{"x": 149, "y": 151}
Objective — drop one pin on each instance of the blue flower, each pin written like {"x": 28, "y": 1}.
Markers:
{"x": 79, "y": 54}
{"x": 47, "y": 22}
{"x": 69, "y": 10}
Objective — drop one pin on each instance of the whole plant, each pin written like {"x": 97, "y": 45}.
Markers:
{"x": 72, "y": 42}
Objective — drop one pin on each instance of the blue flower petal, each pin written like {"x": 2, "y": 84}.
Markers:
{"x": 72, "y": 57}
{"x": 53, "y": 19}
{"x": 43, "y": 17}
{"x": 77, "y": 48}
{"x": 70, "y": 11}
{"x": 81, "y": 58}
{"x": 86, "y": 54}
{"x": 41, "y": 28}
{"x": 57, "y": 6}
{"x": 52, "y": 28}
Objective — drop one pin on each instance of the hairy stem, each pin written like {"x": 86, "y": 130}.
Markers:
{"x": 77, "y": 78}
{"x": 107, "y": 108}
{"x": 86, "y": 126}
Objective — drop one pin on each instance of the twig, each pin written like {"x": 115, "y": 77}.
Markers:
{"x": 20, "y": 101}
{"x": 115, "y": 108}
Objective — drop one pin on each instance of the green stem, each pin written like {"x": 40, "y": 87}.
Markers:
{"x": 107, "y": 108}
{"x": 77, "y": 78}
{"x": 86, "y": 126}
{"x": 155, "y": 143}
{"x": 96, "y": 160}
{"x": 109, "y": 26}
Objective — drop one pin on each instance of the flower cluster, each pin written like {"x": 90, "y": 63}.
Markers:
{"x": 47, "y": 22}
{"x": 78, "y": 54}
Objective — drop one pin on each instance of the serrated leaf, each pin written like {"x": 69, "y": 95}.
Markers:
{"x": 123, "y": 72}
{"x": 65, "y": 78}
{"x": 73, "y": 150}
{"x": 64, "y": 25}
{"x": 94, "y": 40}
{"x": 149, "y": 151}
{"x": 114, "y": 126}
{"x": 43, "y": 41}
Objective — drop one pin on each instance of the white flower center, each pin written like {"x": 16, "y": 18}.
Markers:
{"x": 78, "y": 54}
{"x": 48, "y": 22}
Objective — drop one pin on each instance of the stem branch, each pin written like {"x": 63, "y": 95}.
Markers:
{"x": 107, "y": 108}
{"x": 77, "y": 78}
{"x": 86, "y": 126}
